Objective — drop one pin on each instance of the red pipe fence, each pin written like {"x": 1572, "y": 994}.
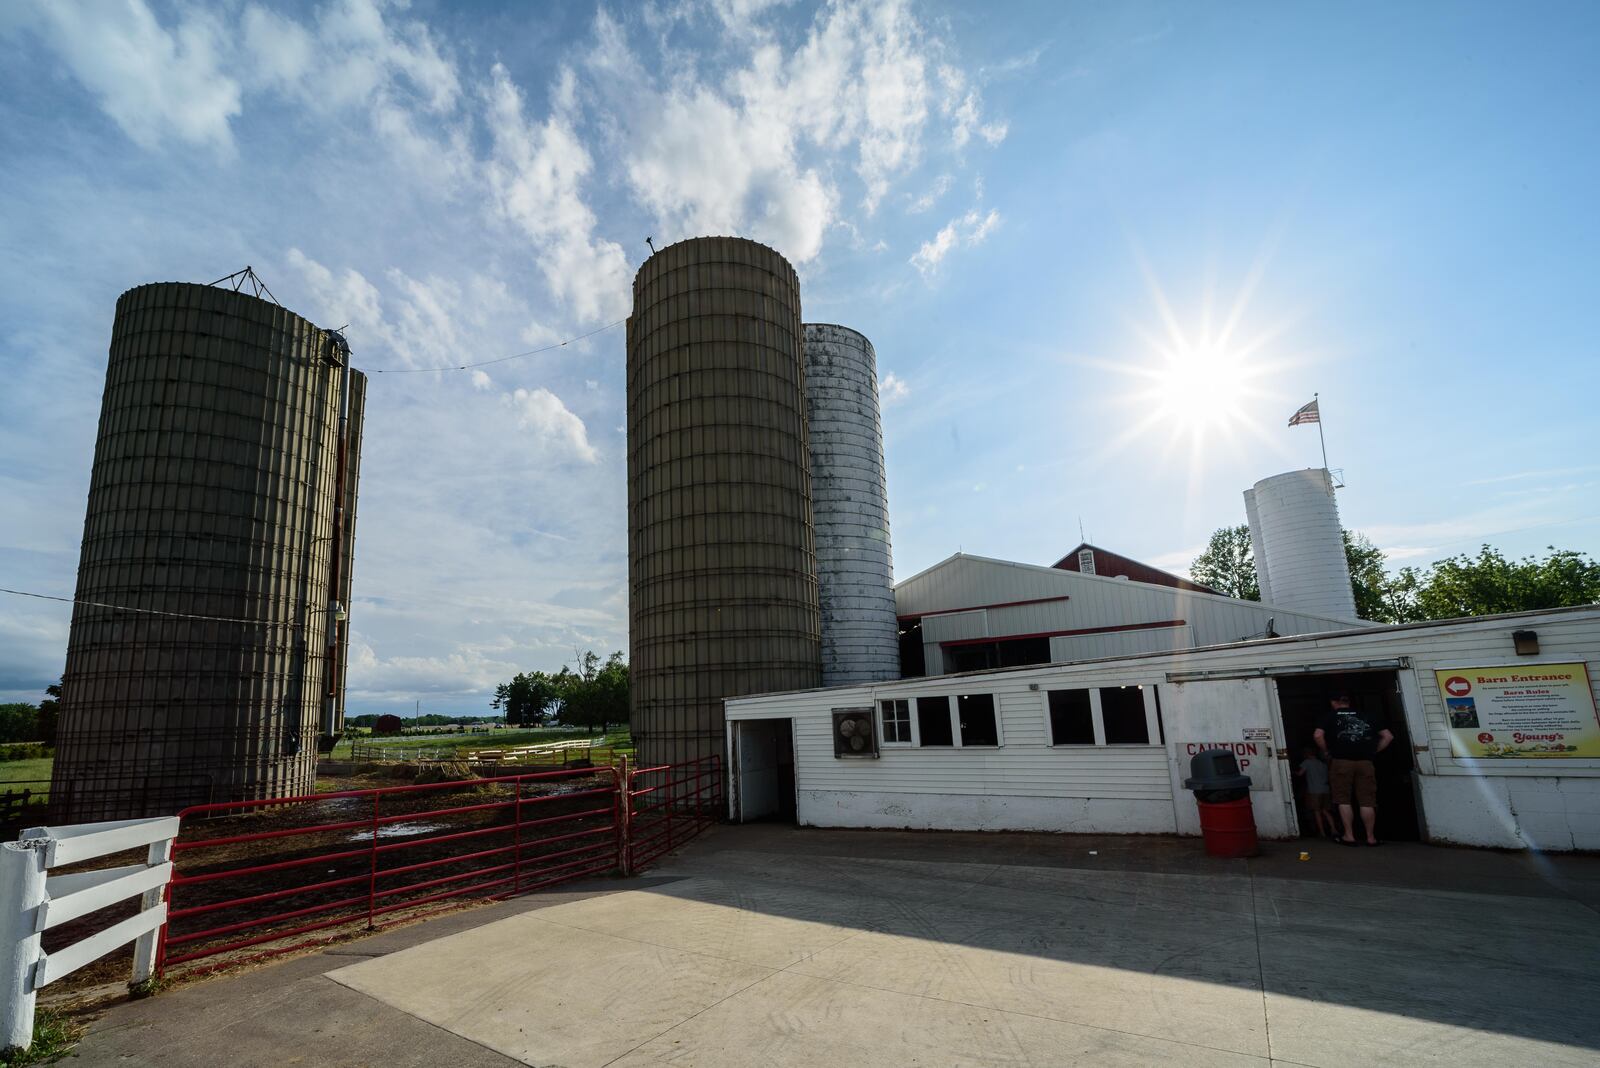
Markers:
{"x": 293, "y": 872}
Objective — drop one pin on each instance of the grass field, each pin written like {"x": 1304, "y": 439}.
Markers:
{"x": 618, "y": 739}
{"x": 20, "y": 771}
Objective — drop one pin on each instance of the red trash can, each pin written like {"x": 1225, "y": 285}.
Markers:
{"x": 1228, "y": 828}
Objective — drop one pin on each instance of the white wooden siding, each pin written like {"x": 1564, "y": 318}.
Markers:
{"x": 1026, "y": 766}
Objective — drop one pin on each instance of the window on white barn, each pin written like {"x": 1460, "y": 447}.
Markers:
{"x": 896, "y": 722}
{"x": 1071, "y": 717}
{"x": 976, "y": 712}
{"x": 1122, "y": 711}
{"x": 1109, "y": 715}
{"x": 933, "y": 721}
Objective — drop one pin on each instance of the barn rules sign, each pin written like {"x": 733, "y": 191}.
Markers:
{"x": 1522, "y": 712}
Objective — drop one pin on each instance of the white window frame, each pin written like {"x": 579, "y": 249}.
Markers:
{"x": 911, "y": 713}
{"x": 1152, "y": 723}
{"x": 954, "y": 707}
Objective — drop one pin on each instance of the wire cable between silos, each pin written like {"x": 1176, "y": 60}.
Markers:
{"x": 147, "y": 611}
{"x": 501, "y": 359}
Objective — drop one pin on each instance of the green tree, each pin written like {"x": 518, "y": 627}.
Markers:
{"x": 49, "y": 709}
{"x": 1368, "y": 579}
{"x": 527, "y": 698}
{"x": 1489, "y": 583}
{"x": 596, "y": 695}
{"x": 1228, "y": 564}
{"x": 19, "y": 722}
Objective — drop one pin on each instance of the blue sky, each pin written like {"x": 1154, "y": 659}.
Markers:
{"x": 1103, "y": 252}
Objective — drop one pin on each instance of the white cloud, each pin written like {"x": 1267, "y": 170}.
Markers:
{"x": 964, "y": 109}
{"x": 536, "y": 175}
{"x": 481, "y": 381}
{"x": 351, "y": 56}
{"x": 552, "y": 423}
{"x": 756, "y": 150}
{"x": 892, "y": 388}
{"x": 154, "y": 82}
{"x": 968, "y": 230}
{"x": 927, "y": 200}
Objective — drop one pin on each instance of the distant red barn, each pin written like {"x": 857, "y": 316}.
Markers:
{"x": 1092, "y": 560}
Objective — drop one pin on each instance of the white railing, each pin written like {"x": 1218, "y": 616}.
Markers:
{"x": 32, "y": 901}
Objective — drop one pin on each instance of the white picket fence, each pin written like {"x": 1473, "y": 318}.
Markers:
{"x": 32, "y": 901}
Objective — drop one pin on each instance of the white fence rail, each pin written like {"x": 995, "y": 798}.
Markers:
{"x": 33, "y": 901}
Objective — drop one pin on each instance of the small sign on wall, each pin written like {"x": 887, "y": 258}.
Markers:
{"x": 1258, "y": 734}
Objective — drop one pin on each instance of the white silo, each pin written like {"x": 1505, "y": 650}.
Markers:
{"x": 1299, "y": 544}
{"x": 855, "y": 568}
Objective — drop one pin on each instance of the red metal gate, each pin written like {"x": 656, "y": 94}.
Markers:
{"x": 668, "y": 805}
{"x": 271, "y": 873}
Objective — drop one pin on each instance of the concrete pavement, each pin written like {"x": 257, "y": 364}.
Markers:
{"x": 789, "y": 947}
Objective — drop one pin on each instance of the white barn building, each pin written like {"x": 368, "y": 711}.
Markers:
{"x": 1103, "y": 744}
{"x": 973, "y": 612}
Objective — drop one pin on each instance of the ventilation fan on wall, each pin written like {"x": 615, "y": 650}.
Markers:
{"x": 854, "y": 734}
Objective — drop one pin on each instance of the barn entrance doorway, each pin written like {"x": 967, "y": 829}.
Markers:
{"x": 764, "y": 770}
{"x": 1303, "y": 700}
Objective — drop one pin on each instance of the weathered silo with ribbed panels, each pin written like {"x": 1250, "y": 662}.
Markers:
{"x": 850, "y": 506}
{"x": 220, "y": 520}
{"x": 721, "y": 551}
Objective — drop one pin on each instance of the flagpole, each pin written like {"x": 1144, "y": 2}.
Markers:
{"x": 1320, "y": 438}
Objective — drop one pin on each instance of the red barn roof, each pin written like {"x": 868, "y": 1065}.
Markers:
{"x": 1108, "y": 564}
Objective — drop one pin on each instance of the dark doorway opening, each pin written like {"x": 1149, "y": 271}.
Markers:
{"x": 764, "y": 766}
{"x": 1304, "y": 699}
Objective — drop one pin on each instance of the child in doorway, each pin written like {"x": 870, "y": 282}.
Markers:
{"x": 1314, "y": 773}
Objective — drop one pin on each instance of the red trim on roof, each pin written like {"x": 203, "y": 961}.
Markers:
{"x": 1066, "y": 633}
{"x": 980, "y": 607}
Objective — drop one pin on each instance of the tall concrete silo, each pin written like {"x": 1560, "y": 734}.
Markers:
{"x": 721, "y": 551}
{"x": 221, "y": 508}
{"x": 850, "y": 504}
{"x": 1299, "y": 543}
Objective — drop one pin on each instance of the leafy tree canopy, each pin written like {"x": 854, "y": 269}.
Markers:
{"x": 1486, "y": 584}
{"x": 1228, "y": 564}
{"x": 19, "y": 722}
{"x": 527, "y": 699}
{"x": 595, "y": 695}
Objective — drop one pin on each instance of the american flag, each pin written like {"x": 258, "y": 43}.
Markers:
{"x": 1306, "y": 413}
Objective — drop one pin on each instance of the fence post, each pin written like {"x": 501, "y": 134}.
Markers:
{"x": 145, "y": 946}
{"x": 624, "y": 817}
{"x": 516, "y": 842}
{"x": 372, "y": 877}
{"x": 21, "y": 894}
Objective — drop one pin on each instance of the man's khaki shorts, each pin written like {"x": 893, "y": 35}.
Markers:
{"x": 1353, "y": 776}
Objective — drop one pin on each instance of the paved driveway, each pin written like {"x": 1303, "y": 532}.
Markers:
{"x": 783, "y": 947}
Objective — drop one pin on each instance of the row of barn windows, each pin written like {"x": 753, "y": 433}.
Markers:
{"x": 1102, "y": 715}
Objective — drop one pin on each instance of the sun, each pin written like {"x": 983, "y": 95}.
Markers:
{"x": 1196, "y": 383}
{"x": 1206, "y": 386}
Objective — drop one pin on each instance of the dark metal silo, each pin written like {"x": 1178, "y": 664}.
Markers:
{"x": 223, "y": 487}
{"x": 721, "y": 549}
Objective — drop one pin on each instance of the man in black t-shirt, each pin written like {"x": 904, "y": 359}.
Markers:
{"x": 1351, "y": 738}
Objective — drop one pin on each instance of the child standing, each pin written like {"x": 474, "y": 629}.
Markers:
{"x": 1318, "y": 800}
